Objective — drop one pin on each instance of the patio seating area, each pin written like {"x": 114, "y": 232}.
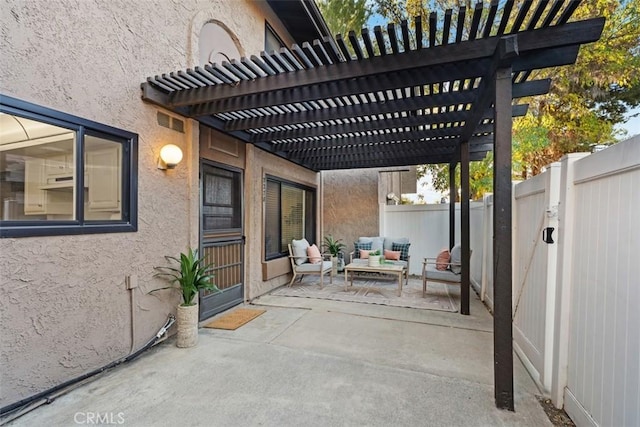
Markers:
{"x": 312, "y": 362}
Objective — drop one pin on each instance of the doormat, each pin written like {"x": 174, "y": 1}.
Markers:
{"x": 235, "y": 319}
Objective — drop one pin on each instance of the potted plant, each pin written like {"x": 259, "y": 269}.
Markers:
{"x": 190, "y": 276}
{"x": 334, "y": 247}
{"x": 374, "y": 258}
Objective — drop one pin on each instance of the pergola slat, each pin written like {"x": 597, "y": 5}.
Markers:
{"x": 522, "y": 14}
{"x": 377, "y": 30}
{"x": 433, "y": 27}
{"x": 568, "y": 12}
{"x": 553, "y": 12}
{"x": 506, "y": 14}
{"x": 475, "y": 22}
{"x": 447, "y": 26}
{"x": 493, "y": 9}
{"x": 343, "y": 47}
{"x": 418, "y": 26}
{"x": 542, "y": 5}
{"x": 393, "y": 38}
{"x": 404, "y": 25}
{"x": 462, "y": 12}
{"x": 355, "y": 45}
{"x": 366, "y": 39}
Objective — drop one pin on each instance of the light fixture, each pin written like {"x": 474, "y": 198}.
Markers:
{"x": 170, "y": 156}
{"x": 392, "y": 199}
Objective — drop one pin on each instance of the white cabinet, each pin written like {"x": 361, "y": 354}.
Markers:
{"x": 104, "y": 179}
{"x": 50, "y": 184}
{"x": 34, "y": 197}
{"x": 59, "y": 166}
{"x": 39, "y": 199}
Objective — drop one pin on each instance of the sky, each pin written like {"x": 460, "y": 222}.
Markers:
{"x": 633, "y": 124}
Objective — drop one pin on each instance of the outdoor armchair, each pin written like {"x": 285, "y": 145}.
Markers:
{"x": 301, "y": 262}
{"x": 448, "y": 273}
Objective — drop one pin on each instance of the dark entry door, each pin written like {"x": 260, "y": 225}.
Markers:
{"x": 221, "y": 236}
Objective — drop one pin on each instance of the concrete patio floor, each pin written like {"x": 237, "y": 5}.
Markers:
{"x": 314, "y": 363}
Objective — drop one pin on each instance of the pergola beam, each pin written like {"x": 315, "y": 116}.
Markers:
{"x": 352, "y": 162}
{"x": 456, "y": 99}
{"x": 424, "y": 137}
{"x": 391, "y": 151}
{"x": 369, "y": 125}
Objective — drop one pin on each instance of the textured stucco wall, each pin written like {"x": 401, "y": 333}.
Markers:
{"x": 265, "y": 164}
{"x": 64, "y": 306}
{"x": 350, "y": 204}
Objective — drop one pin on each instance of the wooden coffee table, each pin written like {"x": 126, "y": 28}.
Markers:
{"x": 398, "y": 270}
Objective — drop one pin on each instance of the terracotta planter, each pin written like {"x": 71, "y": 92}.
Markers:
{"x": 187, "y": 320}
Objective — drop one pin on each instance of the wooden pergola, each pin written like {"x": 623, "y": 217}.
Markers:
{"x": 441, "y": 91}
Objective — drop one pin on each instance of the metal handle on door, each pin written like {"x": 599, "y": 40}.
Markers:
{"x": 546, "y": 235}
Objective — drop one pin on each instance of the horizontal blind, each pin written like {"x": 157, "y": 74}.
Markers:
{"x": 292, "y": 214}
{"x": 272, "y": 219}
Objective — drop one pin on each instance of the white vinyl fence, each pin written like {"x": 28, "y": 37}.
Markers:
{"x": 535, "y": 213}
{"x": 576, "y": 297}
{"x": 577, "y": 300}
{"x": 603, "y": 378}
{"x": 427, "y": 227}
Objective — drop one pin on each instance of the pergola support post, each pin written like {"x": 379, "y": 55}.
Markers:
{"x": 452, "y": 204}
{"x": 465, "y": 241}
{"x": 502, "y": 251}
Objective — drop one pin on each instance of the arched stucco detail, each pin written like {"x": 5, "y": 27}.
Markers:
{"x": 199, "y": 21}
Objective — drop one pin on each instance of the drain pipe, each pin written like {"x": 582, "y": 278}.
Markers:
{"x": 20, "y": 408}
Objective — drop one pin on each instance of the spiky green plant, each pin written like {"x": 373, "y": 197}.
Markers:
{"x": 333, "y": 246}
{"x": 191, "y": 276}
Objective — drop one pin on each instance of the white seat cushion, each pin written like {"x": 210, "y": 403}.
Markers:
{"x": 307, "y": 267}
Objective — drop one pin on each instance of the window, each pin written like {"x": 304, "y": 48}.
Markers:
{"x": 289, "y": 214}
{"x": 272, "y": 40}
{"x": 221, "y": 200}
{"x": 41, "y": 190}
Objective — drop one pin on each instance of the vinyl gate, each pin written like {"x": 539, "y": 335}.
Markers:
{"x": 534, "y": 271}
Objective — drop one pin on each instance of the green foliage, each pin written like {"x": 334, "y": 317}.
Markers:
{"x": 480, "y": 177}
{"x": 586, "y": 100}
{"x": 333, "y": 246}
{"x": 344, "y": 15}
{"x": 191, "y": 276}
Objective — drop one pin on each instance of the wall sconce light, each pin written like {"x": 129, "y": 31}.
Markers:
{"x": 170, "y": 156}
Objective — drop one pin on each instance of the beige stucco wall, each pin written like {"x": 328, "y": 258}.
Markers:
{"x": 64, "y": 306}
{"x": 265, "y": 164}
{"x": 351, "y": 200}
{"x": 350, "y": 204}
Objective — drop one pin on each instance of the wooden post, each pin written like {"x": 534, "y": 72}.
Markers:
{"x": 452, "y": 204}
{"x": 465, "y": 280}
{"x": 502, "y": 324}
